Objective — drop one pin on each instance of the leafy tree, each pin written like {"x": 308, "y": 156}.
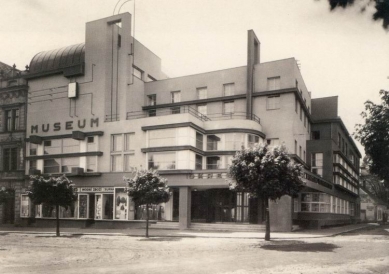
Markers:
{"x": 52, "y": 191}
{"x": 373, "y": 135}
{"x": 381, "y": 8}
{"x": 266, "y": 173}
{"x": 379, "y": 188}
{"x": 146, "y": 187}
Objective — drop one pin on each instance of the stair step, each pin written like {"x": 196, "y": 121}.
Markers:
{"x": 213, "y": 226}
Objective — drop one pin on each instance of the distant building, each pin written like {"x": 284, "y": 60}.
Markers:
{"x": 99, "y": 109}
{"x": 13, "y": 98}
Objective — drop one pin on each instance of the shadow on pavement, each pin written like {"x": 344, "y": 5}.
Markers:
{"x": 162, "y": 239}
{"x": 299, "y": 246}
{"x": 62, "y": 236}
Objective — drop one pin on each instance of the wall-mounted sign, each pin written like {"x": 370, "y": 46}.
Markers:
{"x": 95, "y": 189}
{"x": 68, "y": 125}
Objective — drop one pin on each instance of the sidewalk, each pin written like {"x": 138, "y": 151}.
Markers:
{"x": 327, "y": 232}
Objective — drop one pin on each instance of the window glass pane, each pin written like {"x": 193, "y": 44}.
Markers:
{"x": 213, "y": 142}
{"x": 162, "y": 161}
{"x": 33, "y": 149}
{"x": 199, "y": 140}
{"x": 51, "y": 166}
{"x": 228, "y": 107}
{"x": 117, "y": 142}
{"x": 213, "y": 162}
{"x": 68, "y": 163}
{"x": 128, "y": 141}
{"x": 229, "y": 89}
{"x": 116, "y": 163}
{"x": 91, "y": 164}
{"x": 25, "y": 206}
{"x": 152, "y": 99}
{"x": 128, "y": 162}
{"x": 121, "y": 204}
{"x": 176, "y": 97}
{"x": 199, "y": 162}
{"x": 273, "y": 83}
{"x": 82, "y": 206}
{"x": 234, "y": 141}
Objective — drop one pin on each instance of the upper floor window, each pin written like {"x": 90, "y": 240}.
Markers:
{"x": 315, "y": 135}
{"x": 176, "y": 96}
{"x": 162, "y": 137}
{"x": 274, "y": 83}
{"x": 228, "y": 107}
{"x": 202, "y": 93}
{"x": 33, "y": 149}
{"x": 229, "y": 89}
{"x": 122, "y": 152}
{"x": 199, "y": 162}
{"x": 317, "y": 163}
{"x": 234, "y": 141}
{"x": 273, "y": 102}
{"x": 273, "y": 142}
{"x": 199, "y": 140}
{"x": 213, "y": 142}
{"x": 152, "y": 99}
{"x": 202, "y": 109}
{"x": 252, "y": 140}
{"x": 10, "y": 159}
{"x": 12, "y": 119}
{"x": 59, "y": 146}
{"x": 162, "y": 161}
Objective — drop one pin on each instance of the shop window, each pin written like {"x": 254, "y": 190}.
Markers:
{"x": 162, "y": 161}
{"x": 315, "y": 202}
{"x": 273, "y": 83}
{"x": 202, "y": 109}
{"x": 273, "y": 102}
{"x": 25, "y": 207}
{"x": 317, "y": 163}
{"x": 12, "y": 119}
{"x": 49, "y": 211}
{"x": 176, "y": 96}
{"x": 229, "y": 89}
{"x": 121, "y": 204}
{"x": 10, "y": 159}
{"x": 83, "y": 206}
{"x": 228, "y": 107}
{"x": 202, "y": 93}
{"x": 104, "y": 206}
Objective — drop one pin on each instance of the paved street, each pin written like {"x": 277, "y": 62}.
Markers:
{"x": 361, "y": 251}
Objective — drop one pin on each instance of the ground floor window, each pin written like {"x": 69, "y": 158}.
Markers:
{"x": 47, "y": 211}
{"x": 315, "y": 202}
{"x": 25, "y": 207}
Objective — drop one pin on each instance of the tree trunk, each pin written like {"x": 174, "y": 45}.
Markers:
{"x": 267, "y": 234}
{"x": 57, "y": 217}
{"x": 147, "y": 221}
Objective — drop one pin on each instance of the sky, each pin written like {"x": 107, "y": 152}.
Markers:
{"x": 342, "y": 53}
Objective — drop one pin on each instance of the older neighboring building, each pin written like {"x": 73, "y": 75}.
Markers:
{"x": 13, "y": 97}
{"x": 99, "y": 109}
{"x": 333, "y": 155}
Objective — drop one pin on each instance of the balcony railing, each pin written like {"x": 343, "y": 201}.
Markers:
{"x": 187, "y": 109}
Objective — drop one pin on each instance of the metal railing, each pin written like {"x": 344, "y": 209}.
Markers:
{"x": 187, "y": 109}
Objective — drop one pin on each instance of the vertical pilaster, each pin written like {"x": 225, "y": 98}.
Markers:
{"x": 185, "y": 207}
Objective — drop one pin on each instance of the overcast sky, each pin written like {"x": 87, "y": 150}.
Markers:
{"x": 341, "y": 53}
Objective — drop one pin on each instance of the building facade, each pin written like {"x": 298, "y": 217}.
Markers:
{"x": 13, "y": 98}
{"x": 100, "y": 109}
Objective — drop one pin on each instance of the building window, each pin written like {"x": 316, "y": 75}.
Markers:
{"x": 25, "y": 206}
{"x": 315, "y": 135}
{"x": 229, "y": 89}
{"x": 317, "y": 163}
{"x": 234, "y": 141}
{"x": 10, "y": 159}
{"x": 300, "y": 151}
{"x": 199, "y": 140}
{"x": 315, "y": 202}
{"x": 252, "y": 140}
{"x": 301, "y": 113}
{"x": 296, "y": 104}
{"x": 199, "y": 162}
{"x": 137, "y": 72}
{"x": 228, "y": 107}
{"x": 12, "y": 119}
{"x": 175, "y": 110}
{"x": 273, "y": 83}
{"x": 91, "y": 164}
{"x": 152, "y": 112}
{"x": 202, "y": 93}
{"x": 213, "y": 142}
{"x": 33, "y": 149}
{"x": 273, "y": 102}
{"x": 162, "y": 161}
{"x": 152, "y": 99}
{"x": 202, "y": 109}
{"x": 176, "y": 96}
{"x": 60, "y": 165}
{"x": 122, "y": 151}
{"x": 213, "y": 162}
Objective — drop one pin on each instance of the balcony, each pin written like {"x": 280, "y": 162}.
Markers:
{"x": 187, "y": 109}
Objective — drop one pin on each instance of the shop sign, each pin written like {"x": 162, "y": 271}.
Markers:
{"x": 67, "y": 125}
{"x": 95, "y": 189}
